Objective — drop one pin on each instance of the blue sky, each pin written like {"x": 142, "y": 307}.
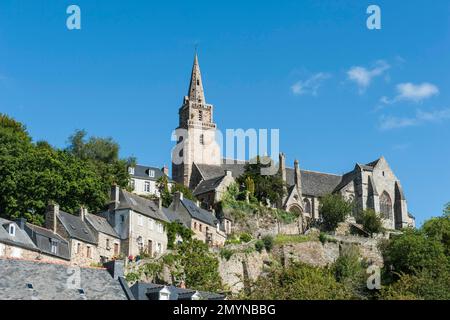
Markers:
{"x": 338, "y": 92}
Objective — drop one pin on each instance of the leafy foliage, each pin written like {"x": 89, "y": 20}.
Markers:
{"x": 175, "y": 228}
{"x": 268, "y": 242}
{"x": 413, "y": 252}
{"x": 371, "y": 221}
{"x": 333, "y": 210}
{"x": 167, "y": 193}
{"x": 265, "y": 187}
{"x": 298, "y": 282}
{"x": 33, "y": 174}
{"x": 439, "y": 230}
{"x": 245, "y": 237}
{"x": 259, "y": 245}
{"x": 193, "y": 263}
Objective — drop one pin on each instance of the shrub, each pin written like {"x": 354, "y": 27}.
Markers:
{"x": 323, "y": 237}
{"x": 226, "y": 253}
{"x": 333, "y": 210}
{"x": 245, "y": 237}
{"x": 268, "y": 242}
{"x": 371, "y": 221}
{"x": 298, "y": 281}
{"x": 259, "y": 245}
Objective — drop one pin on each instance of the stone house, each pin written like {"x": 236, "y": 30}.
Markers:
{"x": 82, "y": 241}
{"x": 210, "y": 191}
{"x": 108, "y": 241}
{"x": 205, "y": 225}
{"x": 50, "y": 244}
{"x": 15, "y": 243}
{"x": 144, "y": 179}
{"x": 139, "y": 222}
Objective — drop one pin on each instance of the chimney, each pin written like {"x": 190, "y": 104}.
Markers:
{"x": 165, "y": 170}
{"x": 228, "y": 173}
{"x": 297, "y": 177}
{"x": 21, "y": 223}
{"x": 197, "y": 203}
{"x": 177, "y": 197}
{"x": 282, "y": 166}
{"x": 51, "y": 216}
{"x": 115, "y": 193}
{"x": 83, "y": 212}
{"x": 115, "y": 268}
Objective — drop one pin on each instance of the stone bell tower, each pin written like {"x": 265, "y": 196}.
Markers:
{"x": 196, "y": 132}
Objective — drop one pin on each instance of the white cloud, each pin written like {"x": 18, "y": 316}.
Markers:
{"x": 311, "y": 85}
{"x": 412, "y": 92}
{"x": 421, "y": 117}
{"x": 419, "y": 92}
{"x": 363, "y": 76}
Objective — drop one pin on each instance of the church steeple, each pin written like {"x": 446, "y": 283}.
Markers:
{"x": 196, "y": 93}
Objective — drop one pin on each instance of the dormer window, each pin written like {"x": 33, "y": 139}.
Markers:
{"x": 151, "y": 173}
{"x": 54, "y": 246}
{"x": 131, "y": 170}
{"x": 12, "y": 230}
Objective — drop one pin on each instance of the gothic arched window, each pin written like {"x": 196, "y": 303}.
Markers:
{"x": 200, "y": 115}
{"x": 308, "y": 207}
{"x": 202, "y": 139}
{"x": 386, "y": 205}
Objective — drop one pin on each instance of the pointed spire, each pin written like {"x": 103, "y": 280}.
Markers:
{"x": 196, "y": 93}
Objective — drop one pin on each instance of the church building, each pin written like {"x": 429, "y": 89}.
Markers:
{"x": 197, "y": 163}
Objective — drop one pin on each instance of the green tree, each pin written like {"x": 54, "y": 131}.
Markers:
{"x": 250, "y": 185}
{"x": 298, "y": 282}
{"x": 104, "y": 154}
{"x": 167, "y": 193}
{"x": 193, "y": 263}
{"x": 333, "y": 210}
{"x": 371, "y": 221}
{"x": 439, "y": 230}
{"x": 33, "y": 174}
{"x": 412, "y": 252}
{"x": 269, "y": 187}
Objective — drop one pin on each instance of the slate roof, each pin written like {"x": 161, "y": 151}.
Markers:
{"x": 208, "y": 185}
{"x": 49, "y": 282}
{"x": 139, "y": 204}
{"x": 21, "y": 238}
{"x": 142, "y": 172}
{"x": 100, "y": 224}
{"x": 76, "y": 228}
{"x": 199, "y": 213}
{"x": 172, "y": 216}
{"x": 315, "y": 184}
{"x": 214, "y": 171}
{"x": 41, "y": 238}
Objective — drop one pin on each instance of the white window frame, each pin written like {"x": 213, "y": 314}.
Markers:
{"x": 140, "y": 220}
{"x": 151, "y": 173}
{"x": 131, "y": 170}
{"x": 12, "y": 230}
{"x": 53, "y": 246}
{"x": 146, "y": 184}
{"x": 151, "y": 224}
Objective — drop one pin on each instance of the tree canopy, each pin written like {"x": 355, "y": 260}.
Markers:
{"x": 32, "y": 174}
